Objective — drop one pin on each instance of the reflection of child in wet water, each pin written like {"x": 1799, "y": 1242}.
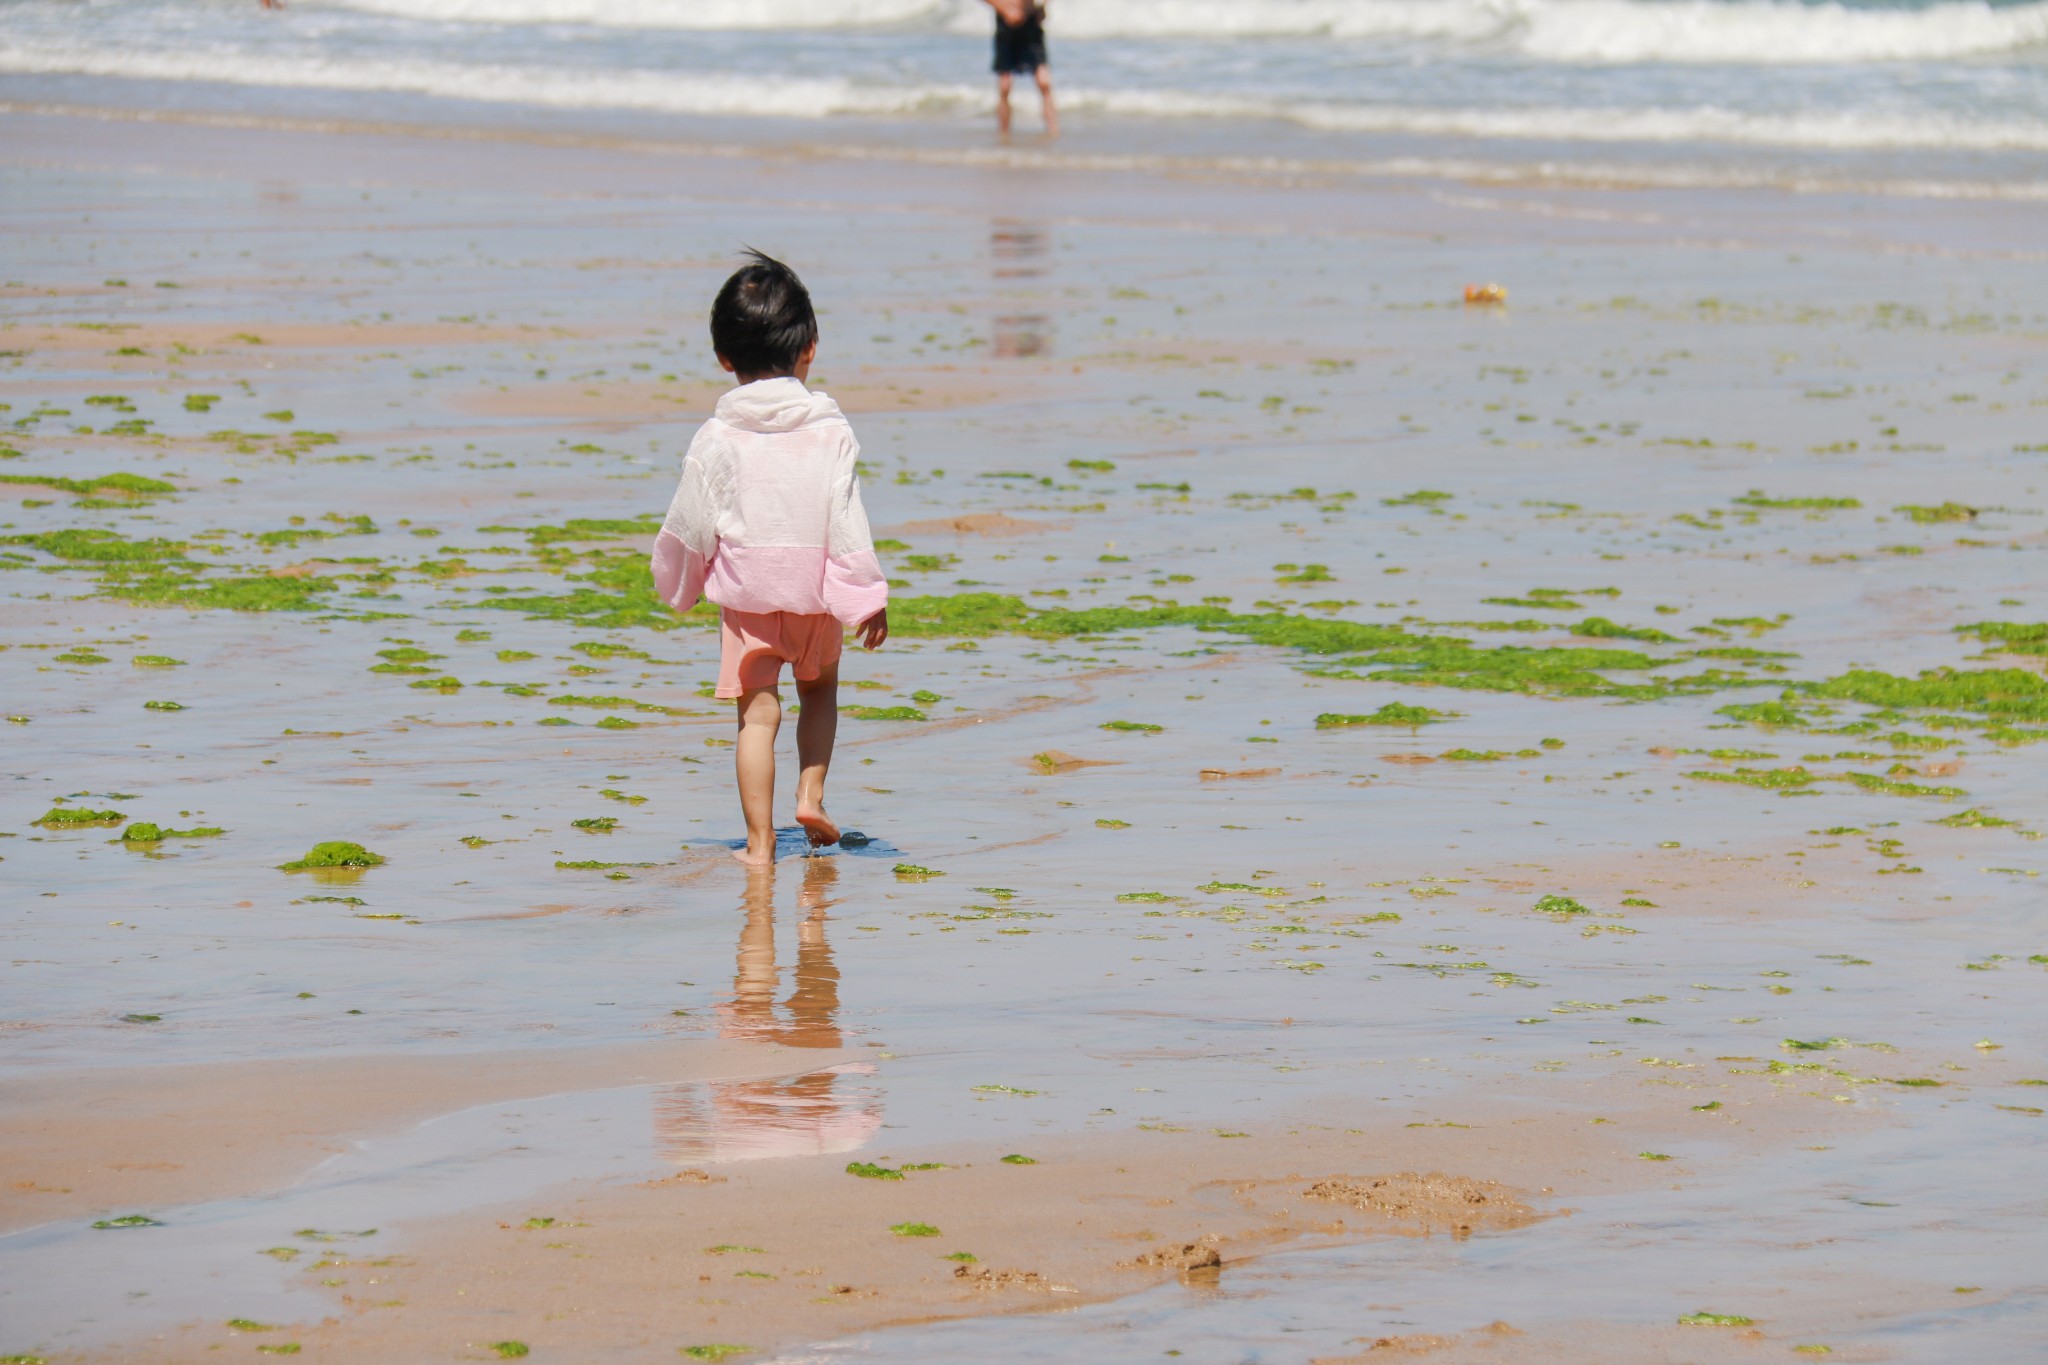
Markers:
{"x": 768, "y": 523}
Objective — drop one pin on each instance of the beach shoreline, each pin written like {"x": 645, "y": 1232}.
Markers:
{"x": 1645, "y": 907}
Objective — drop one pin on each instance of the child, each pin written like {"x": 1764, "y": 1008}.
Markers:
{"x": 768, "y": 524}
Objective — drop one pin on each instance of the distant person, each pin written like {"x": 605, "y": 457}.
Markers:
{"x": 767, "y": 522}
{"x": 1020, "y": 49}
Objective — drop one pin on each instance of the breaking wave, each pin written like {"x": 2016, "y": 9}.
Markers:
{"x": 1766, "y": 32}
{"x": 713, "y": 94}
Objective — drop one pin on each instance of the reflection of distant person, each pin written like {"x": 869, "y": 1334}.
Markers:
{"x": 1020, "y": 49}
{"x": 273, "y": 4}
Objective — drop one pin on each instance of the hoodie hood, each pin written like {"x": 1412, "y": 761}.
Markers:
{"x": 781, "y": 404}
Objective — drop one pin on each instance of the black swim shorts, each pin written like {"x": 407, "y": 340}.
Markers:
{"x": 1019, "y": 50}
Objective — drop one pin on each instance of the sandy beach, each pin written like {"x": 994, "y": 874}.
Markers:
{"x": 1389, "y": 828}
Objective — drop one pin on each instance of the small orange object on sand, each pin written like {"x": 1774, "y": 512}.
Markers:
{"x": 1486, "y": 294}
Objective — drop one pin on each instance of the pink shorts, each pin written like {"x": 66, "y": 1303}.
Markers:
{"x": 753, "y": 646}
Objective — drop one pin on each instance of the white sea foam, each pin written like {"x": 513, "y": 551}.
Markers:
{"x": 711, "y": 94}
{"x": 1587, "y": 31}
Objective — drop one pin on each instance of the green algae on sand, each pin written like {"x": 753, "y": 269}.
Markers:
{"x": 134, "y": 485}
{"x": 144, "y": 832}
{"x": 868, "y": 1170}
{"x": 857, "y": 712}
{"x": 334, "y": 853}
{"x": 1393, "y": 713}
{"x": 73, "y": 817}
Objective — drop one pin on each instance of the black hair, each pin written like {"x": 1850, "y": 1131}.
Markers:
{"x": 761, "y": 320}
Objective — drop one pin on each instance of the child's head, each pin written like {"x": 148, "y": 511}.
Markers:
{"x": 762, "y": 325}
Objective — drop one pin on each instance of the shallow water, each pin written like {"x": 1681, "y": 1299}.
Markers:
{"x": 1811, "y": 351}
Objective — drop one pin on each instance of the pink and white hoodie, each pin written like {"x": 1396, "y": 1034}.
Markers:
{"x": 768, "y": 515}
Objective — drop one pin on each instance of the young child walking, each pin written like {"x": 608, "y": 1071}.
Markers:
{"x": 768, "y": 523}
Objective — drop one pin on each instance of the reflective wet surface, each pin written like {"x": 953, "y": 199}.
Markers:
{"x": 1119, "y": 881}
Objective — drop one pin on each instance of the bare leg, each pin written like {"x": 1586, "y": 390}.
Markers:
{"x": 760, "y": 717}
{"x": 1003, "y": 103}
{"x": 1052, "y": 115}
{"x": 816, "y": 727}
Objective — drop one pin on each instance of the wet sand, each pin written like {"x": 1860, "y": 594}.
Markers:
{"x": 1688, "y": 1004}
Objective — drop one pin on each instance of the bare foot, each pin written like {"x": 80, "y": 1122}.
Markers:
{"x": 818, "y": 825}
{"x": 748, "y": 858}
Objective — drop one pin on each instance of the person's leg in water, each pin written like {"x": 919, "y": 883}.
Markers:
{"x": 816, "y": 727}
{"x": 1003, "y": 79}
{"x": 1043, "y": 75}
{"x": 760, "y": 718}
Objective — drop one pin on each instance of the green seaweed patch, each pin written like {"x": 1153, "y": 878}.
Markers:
{"x": 1706, "y": 1319}
{"x": 1600, "y": 628}
{"x": 96, "y": 546}
{"x": 1974, "y": 819}
{"x": 2014, "y": 637}
{"x": 883, "y": 712}
{"x": 2008, "y": 693}
{"x": 1145, "y": 896}
{"x": 144, "y": 832}
{"x": 1393, "y": 713}
{"x": 249, "y": 1325}
{"x": 597, "y": 824}
{"x": 1770, "y": 779}
{"x": 914, "y": 1230}
{"x": 105, "y": 485}
{"x": 155, "y": 661}
{"x": 594, "y": 528}
{"x": 615, "y": 703}
{"x": 868, "y": 1170}
{"x": 1886, "y": 786}
{"x": 1002, "y": 1090}
{"x": 1927, "y": 515}
{"x": 1134, "y": 726}
{"x": 1757, "y": 498}
{"x": 1477, "y": 755}
{"x": 1421, "y": 497}
{"x": 511, "y": 1350}
{"x": 1245, "y": 887}
{"x": 1018, "y": 1159}
{"x": 915, "y": 872}
{"x": 191, "y": 591}
{"x": 163, "y": 706}
{"x": 74, "y": 817}
{"x": 715, "y": 1350}
{"x": 335, "y": 853}
{"x": 128, "y": 1220}
{"x": 1559, "y": 905}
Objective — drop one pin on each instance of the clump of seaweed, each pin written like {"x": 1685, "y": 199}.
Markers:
{"x": 144, "y": 832}
{"x": 335, "y": 853}
{"x": 78, "y": 817}
{"x": 1393, "y": 713}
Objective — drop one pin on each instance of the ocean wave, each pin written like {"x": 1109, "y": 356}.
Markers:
{"x": 1582, "y": 31}
{"x": 703, "y": 15}
{"x": 711, "y": 94}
